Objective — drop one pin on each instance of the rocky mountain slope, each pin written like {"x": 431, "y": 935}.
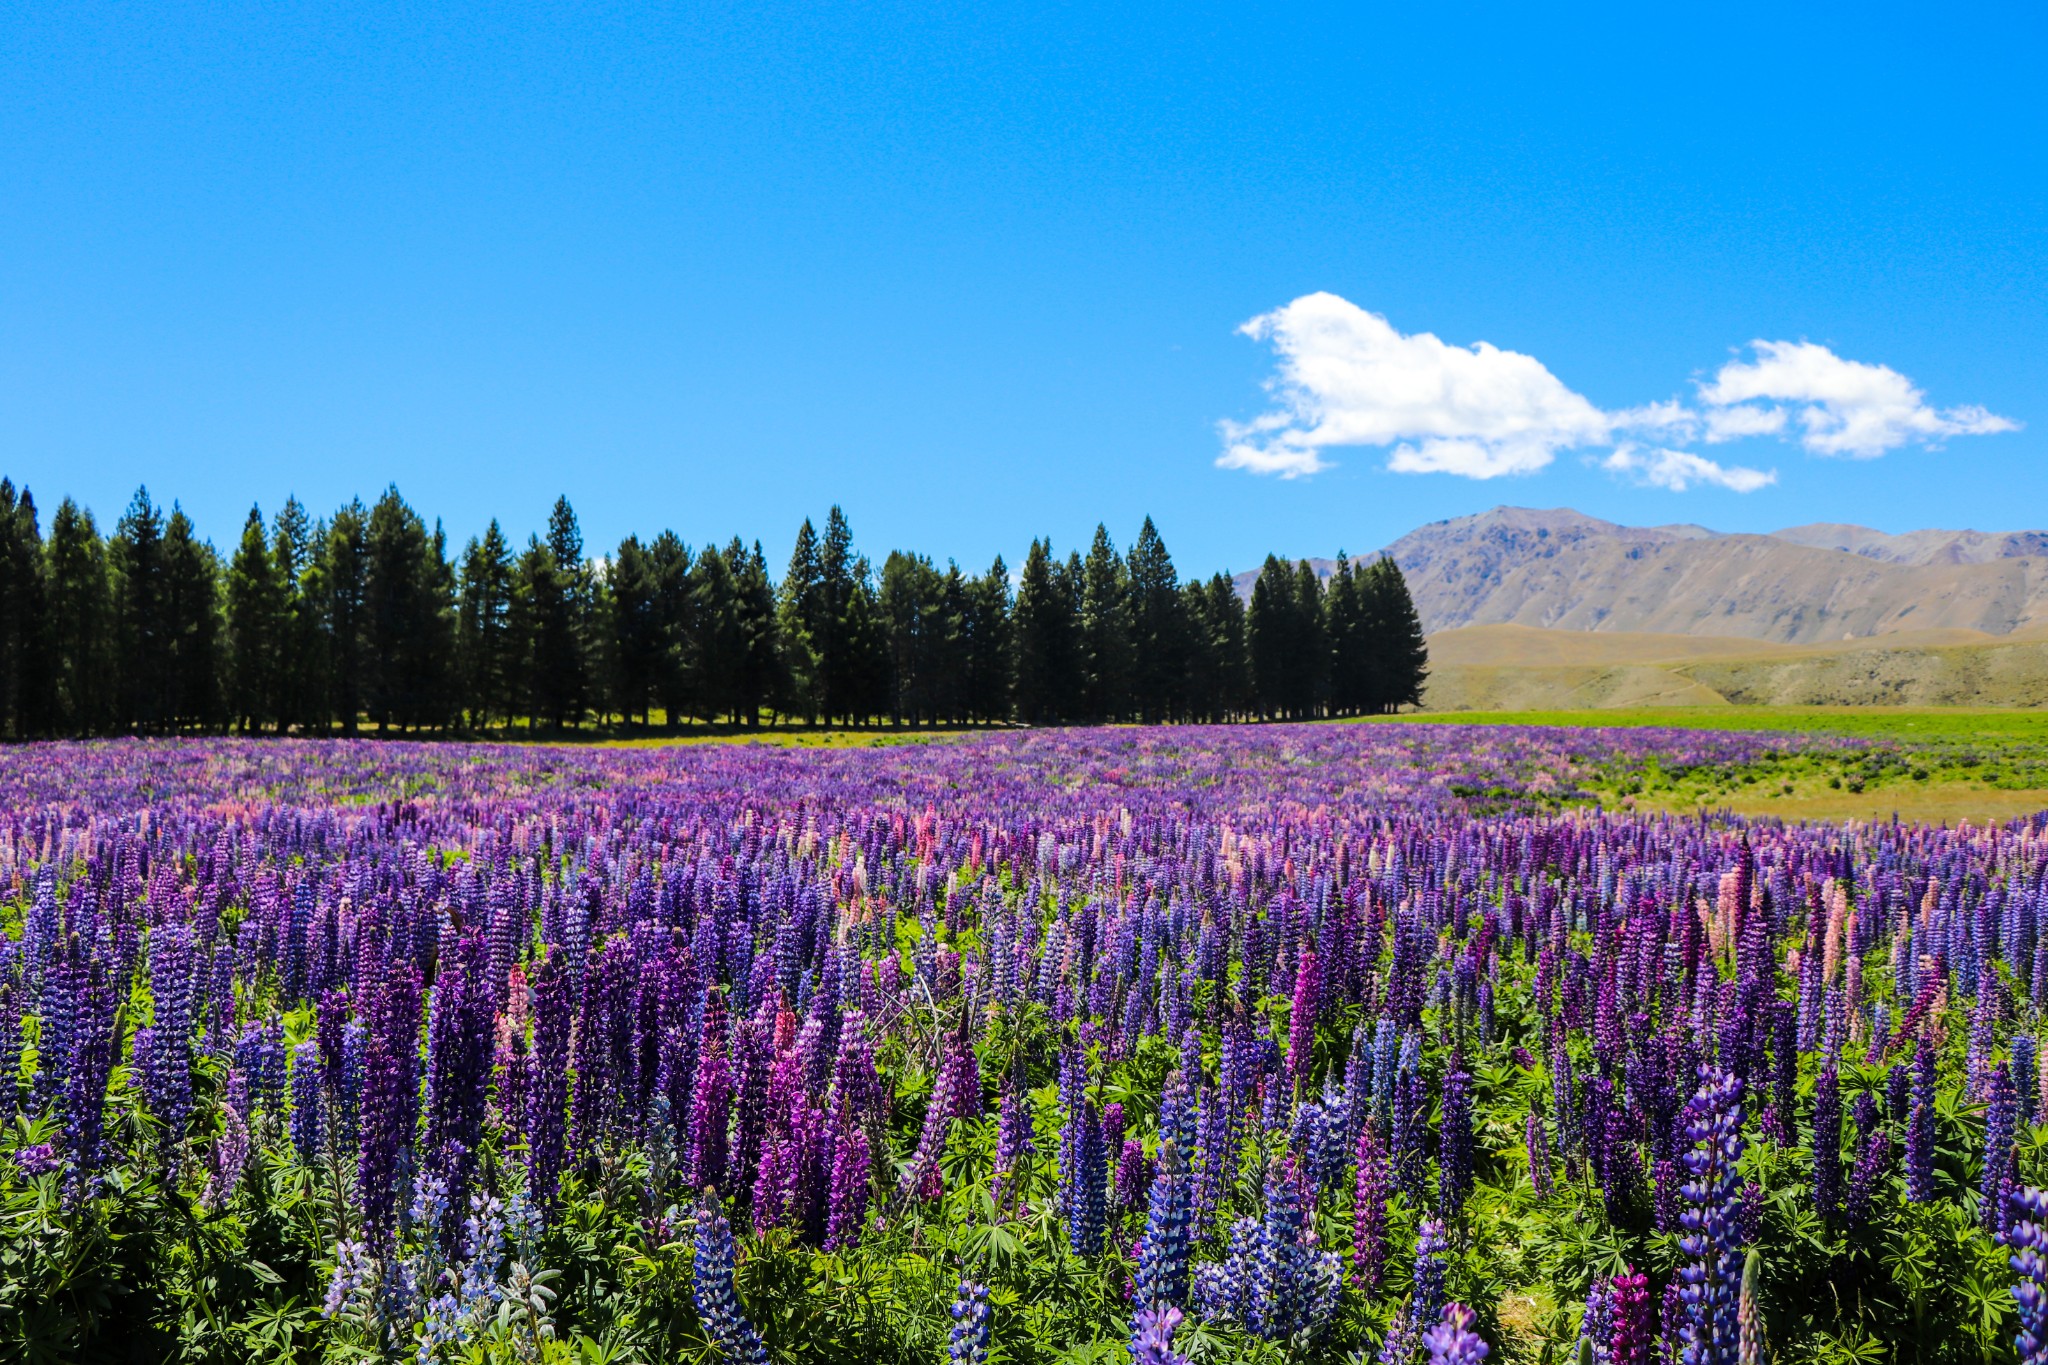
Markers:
{"x": 1809, "y": 585}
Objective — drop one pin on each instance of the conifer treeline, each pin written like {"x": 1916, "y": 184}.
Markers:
{"x": 365, "y": 618}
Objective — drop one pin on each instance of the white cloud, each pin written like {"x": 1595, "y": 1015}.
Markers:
{"x": 1679, "y": 470}
{"x": 1346, "y": 377}
{"x": 1739, "y": 423}
{"x": 1842, "y": 407}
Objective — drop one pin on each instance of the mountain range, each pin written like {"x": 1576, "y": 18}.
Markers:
{"x": 1821, "y": 584}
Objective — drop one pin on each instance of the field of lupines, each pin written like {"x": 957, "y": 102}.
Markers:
{"x": 1262, "y": 1044}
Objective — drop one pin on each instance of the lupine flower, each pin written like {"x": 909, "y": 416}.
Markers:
{"x": 1369, "y": 1211}
{"x": 1827, "y": 1143}
{"x": 847, "y": 1199}
{"x": 967, "y": 1344}
{"x": 1424, "y": 1301}
{"x": 1162, "y": 1253}
{"x": 36, "y": 1159}
{"x": 1920, "y": 1128}
{"x": 2001, "y": 1118}
{"x": 1086, "y": 1187}
{"x": 1749, "y": 1317}
{"x": 1634, "y": 1325}
{"x": 1454, "y": 1179}
{"x": 718, "y": 1308}
{"x": 1453, "y": 1341}
{"x": 1596, "y": 1324}
{"x": 1152, "y": 1337}
{"x": 1709, "y": 1283}
{"x": 2027, "y": 1235}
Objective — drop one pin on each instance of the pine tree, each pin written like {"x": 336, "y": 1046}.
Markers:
{"x": 864, "y": 644}
{"x": 148, "y": 695}
{"x": 561, "y": 649}
{"x": 1046, "y": 628}
{"x": 344, "y": 593}
{"x": 1105, "y": 632}
{"x": 758, "y": 646}
{"x": 192, "y": 616}
{"x": 990, "y": 665}
{"x": 485, "y": 648}
{"x": 947, "y": 657}
{"x": 1270, "y": 637}
{"x": 635, "y": 644}
{"x": 1224, "y": 644}
{"x": 833, "y": 635}
{"x": 302, "y": 643}
{"x": 256, "y": 611}
{"x": 25, "y": 674}
{"x": 81, "y": 613}
{"x": 668, "y": 568}
{"x": 1311, "y": 644}
{"x": 1159, "y": 630}
{"x": 1350, "y": 644}
{"x": 718, "y": 646}
{"x": 1400, "y": 649}
{"x": 803, "y": 612}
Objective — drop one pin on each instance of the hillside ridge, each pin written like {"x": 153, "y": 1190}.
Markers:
{"x": 1823, "y": 583}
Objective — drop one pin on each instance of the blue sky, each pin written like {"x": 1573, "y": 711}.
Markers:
{"x": 981, "y": 274}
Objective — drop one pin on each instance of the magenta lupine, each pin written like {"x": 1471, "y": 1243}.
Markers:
{"x": 1308, "y": 989}
{"x": 1634, "y": 1323}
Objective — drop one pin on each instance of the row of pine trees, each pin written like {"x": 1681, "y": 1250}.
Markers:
{"x": 365, "y": 618}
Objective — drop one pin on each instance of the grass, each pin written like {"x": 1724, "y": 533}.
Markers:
{"x": 2002, "y": 726}
{"x": 1940, "y": 766}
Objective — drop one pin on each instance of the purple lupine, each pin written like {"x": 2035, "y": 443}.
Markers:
{"x": 1454, "y": 1168}
{"x": 922, "y": 1177}
{"x": 547, "y": 1099}
{"x": 2001, "y": 1118}
{"x": 1425, "y": 1300}
{"x": 167, "y": 1070}
{"x": 1162, "y": 1253}
{"x": 718, "y": 1307}
{"x": 1920, "y": 1128}
{"x": 1277, "y": 1300}
{"x": 847, "y": 1199}
{"x": 1711, "y": 1221}
{"x": 390, "y": 1097}
{"x": 1453, "y": 1341}
{"x": 1369, "y": 1211}
{"x": 308, "y": 1122}
{"x": 1086, "y": 1186}
{"x": 710, "y": 1099}
{"x": 1152, "y": 1332}
{"x": 1596, "y": 1323}
{"x": 967, "y": 1343}
{"x": 2027, "y": 1235}
{"x": 1863, "y": 1177}
{"x": 1827, "y": 1143}
{"x": 85, "y": 1082}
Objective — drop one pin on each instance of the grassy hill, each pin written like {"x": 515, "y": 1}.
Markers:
{"x": 1523, "y": 668}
